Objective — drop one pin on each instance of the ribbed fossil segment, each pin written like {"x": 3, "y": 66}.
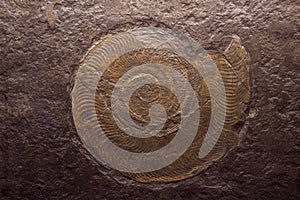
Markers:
{"x": 155, "y": 106}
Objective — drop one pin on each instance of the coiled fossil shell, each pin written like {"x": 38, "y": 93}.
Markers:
{"x": 108, "y": 61}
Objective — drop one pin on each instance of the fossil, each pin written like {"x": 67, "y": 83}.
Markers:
{"x": 149, "y": 48}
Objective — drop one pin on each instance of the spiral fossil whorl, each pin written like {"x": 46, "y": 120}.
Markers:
{"x": 114, "y": 57}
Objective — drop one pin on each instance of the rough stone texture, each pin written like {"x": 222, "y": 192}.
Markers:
{"x": 41, "y": 45}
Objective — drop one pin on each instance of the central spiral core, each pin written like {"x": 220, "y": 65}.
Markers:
{"x": 142, "y": 99}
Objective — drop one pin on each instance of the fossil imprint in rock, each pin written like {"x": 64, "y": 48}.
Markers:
{"x": 154, "y": 105}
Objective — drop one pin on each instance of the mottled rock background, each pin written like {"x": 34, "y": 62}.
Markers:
{"x": 41, "y": 156}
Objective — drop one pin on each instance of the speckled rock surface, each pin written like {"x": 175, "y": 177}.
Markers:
{"x": 41, "y": 156}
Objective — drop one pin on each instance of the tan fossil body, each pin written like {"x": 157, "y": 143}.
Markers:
{"x": 234, "y": 69}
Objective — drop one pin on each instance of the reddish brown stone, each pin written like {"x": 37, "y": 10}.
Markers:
{"x": 41, "y": 155}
